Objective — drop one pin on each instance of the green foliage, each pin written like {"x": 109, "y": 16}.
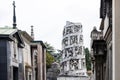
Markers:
{"x": 88, "y": 59}
{"x": 49, "y": 55}
{"x": 49, "y": 60}
{"x": 50, "y": 49}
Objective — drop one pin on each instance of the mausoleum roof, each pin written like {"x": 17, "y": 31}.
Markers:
{"x": 7, "y": 31}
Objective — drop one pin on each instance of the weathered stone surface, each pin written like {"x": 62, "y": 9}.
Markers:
{"x": 53, "y": 72}
{"x": 73, "y": 78}
{"x": 73, "y": 56}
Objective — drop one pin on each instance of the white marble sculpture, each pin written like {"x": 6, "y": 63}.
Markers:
{"x": 73, "y": 56}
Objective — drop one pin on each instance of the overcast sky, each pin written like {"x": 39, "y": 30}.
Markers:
{"x": 49, "y": 17}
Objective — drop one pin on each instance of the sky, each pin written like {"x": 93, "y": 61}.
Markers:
{"x": 49, "y": 17}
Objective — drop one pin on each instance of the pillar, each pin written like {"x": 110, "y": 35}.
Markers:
{"x": 116, "y": 39}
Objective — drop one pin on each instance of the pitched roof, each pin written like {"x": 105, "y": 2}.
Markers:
{"x": 26, "y": 35}
{"x": 37, "y": 42}
{"x": 7, "y": 31}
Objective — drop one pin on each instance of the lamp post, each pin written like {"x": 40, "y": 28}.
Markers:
{"x": 94, "y": 34}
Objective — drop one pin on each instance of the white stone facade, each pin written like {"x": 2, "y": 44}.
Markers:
{"x": 73, "y": 56}
{"x": 73, "y": 78}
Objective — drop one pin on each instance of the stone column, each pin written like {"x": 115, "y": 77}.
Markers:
{"x": 116, "y": 39}
{"x": 39, "y": 62}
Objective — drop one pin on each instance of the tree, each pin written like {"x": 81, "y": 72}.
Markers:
{"x": 49, "y": 55}
{"x": 88, "y": 59}
{"x": 49, "y": 60}
{"x": 50, "y": 49}
{"x": 57, "y": 55}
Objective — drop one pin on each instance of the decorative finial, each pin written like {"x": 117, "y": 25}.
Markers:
{"x": 14, "y": 16}
{"x": 32, "y": 32}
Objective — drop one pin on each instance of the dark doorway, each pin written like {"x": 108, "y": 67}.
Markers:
{"x": 15, "y": 73}
{"x": 36, "y": 74}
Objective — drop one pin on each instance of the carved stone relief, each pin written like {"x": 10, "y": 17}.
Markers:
{"x": 83, "y": 63}
{"x": 70, "y": 51}
{"x": 81, "y": 39}
{"x": 72, "y": 47}
{"x": 65, "y": 41}
{"x": 63, "y": 54}
{"x": 73, "y": 39}
{"x": 72, "y": 29}
{"x": 71, "y": 64}
{"x": 78, "y": 50}
{"x": 69, "y": 30}
{"x": 76, "y": 28}
{"x": 74, "y": 64}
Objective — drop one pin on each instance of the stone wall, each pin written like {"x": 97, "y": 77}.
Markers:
{"x": 73, "y": 78}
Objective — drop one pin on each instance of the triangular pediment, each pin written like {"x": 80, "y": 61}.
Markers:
{"x": 10, "y": 34}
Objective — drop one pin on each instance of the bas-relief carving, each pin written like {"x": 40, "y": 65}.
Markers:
{"x": 74, "y": 64}
{"x": 73, "y": 39}
{"x": 65, "y": 41}
{"x": 63, "y": 54}
{"x": 68, "y": 30}
{"x": 81, "y": 39}
{"x": 62, "y": 66}
{"x": 71, "y": 48}
{"x": 65, "y": 65}
{"x": 72, "y": 29}
{"x": 78, "y": 50}
{"x": 83, "y": 62}
{"x": 70, "y": 52}
{"x": 76, "y": 28}
{"x": 66, "y": 53}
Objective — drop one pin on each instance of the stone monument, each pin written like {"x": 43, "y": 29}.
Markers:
{"x": 53, "y": 72}
{"x": 73, "y": 57}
